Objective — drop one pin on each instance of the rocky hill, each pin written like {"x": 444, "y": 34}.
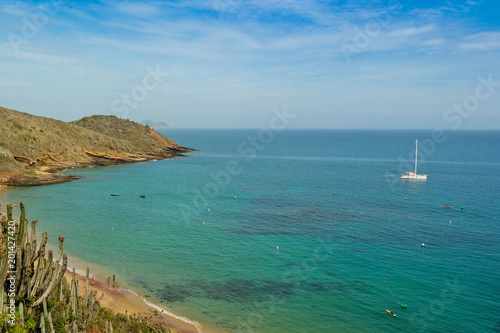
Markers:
{"x": 32, "y": 148}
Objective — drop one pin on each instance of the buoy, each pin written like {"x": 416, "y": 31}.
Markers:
{"x": 236, "y": 197}
{"x": 423, "y": 245}
{"x": 203, "y": 223}
{"x": 277, "y": 248}
{"x": 209, "y": 209}
{"x": 450, "y": 222}
{"x": 404, "y": 306}
{"x": 406, "y": 198}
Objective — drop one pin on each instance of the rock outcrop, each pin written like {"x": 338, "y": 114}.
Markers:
{"x": 33, "y": 148}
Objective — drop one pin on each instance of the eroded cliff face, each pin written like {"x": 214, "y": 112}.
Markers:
{"x": 32, "y": 148}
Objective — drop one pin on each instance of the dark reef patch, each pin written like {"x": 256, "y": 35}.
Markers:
{"x": 176, "y": 292}
{"x": 239, "y": 290}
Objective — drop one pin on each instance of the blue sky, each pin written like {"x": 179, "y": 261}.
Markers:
{"x": 230, "y": 63}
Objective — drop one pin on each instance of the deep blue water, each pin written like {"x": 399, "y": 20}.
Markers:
{"x": 301, "y": 232}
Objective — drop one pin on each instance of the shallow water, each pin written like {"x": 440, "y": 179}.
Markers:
{"x": 305, "y": 234}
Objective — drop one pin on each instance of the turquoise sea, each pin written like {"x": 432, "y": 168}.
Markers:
{"x": 296, "y": 231}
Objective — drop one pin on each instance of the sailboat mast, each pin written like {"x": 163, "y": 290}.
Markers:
{"x": 416, "y": 152}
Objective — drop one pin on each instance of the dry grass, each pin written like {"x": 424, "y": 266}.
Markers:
{"x": 48, "y": 141}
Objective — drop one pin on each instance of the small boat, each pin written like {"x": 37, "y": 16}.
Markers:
{"x": 413, "y": 175}
{"x": 446, "y": 206}
{"x": 143, "y": 196}
{"x": 114, "y": 194}
{"x": 391, "y": 313}
{"x": 404, "y": 306}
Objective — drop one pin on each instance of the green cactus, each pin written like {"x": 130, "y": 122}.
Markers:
{"x": 9, "y": 212}
{"x": 21, "y": 314}
{"x": 44, "y": 298}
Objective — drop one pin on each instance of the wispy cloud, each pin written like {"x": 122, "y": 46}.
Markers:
{"x": 484, "y": 41}
{"x": 46, "y": 58}
{"x": 412, "y": 31}
{"x": 434, "y": 42}
{"x": 237, "y": 51}
{"x": 17, "y": 9}
{"x": 136, "y": 8}
{"x": 31, "y": 53}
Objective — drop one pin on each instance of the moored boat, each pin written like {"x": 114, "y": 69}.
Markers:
{"x": 409, "y": 175}
{"x": 391, "y": 313}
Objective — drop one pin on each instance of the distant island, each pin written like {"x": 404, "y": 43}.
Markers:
{"x": 156, "y": 125}
{"x": 33, "y": 148}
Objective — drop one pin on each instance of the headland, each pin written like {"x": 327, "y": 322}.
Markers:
{"x": 33, "y": 148}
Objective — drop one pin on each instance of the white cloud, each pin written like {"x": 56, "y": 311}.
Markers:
{"x": 406, "y": 32}
{"x": 242, "y": 54}
{"x": 484, "y": 41}
{"x": 43, "y": 57}
{"x": 316, "y": 11}
{"x": 136, "y": 8}
{"x": 434, "y": 42}
{"x": 15, "y": 10}
{"x": 33, "y": 54}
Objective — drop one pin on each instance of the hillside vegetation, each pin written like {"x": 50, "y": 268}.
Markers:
{"x": 32, "y": 148}
{"x": 37, "y": 297}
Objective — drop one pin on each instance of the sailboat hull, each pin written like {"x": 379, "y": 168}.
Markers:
{"x": 413, "y": 176}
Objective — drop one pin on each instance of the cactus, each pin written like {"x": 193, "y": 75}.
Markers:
{"x": 9, "y": 212}
{"x": 42, "y": 325}
{"x": 40, "y": 279}
{"x": 47, "y": 315}
{"x": 38, "y": 272}
{"x": 87, "y": 286}
{"x": 22, "y": 220}
{"x": 21, "y": 314}
{"x": 5, "y": 258}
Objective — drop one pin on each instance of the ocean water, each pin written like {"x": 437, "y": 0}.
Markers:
{"x": 304, "y": 231}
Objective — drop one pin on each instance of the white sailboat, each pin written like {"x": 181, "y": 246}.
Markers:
{"x": 413, "y": 175}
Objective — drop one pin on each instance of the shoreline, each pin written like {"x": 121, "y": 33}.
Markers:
{"x": 122, "y": 300}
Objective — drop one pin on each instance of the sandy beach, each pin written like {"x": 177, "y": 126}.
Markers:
{"x": 122, "y": 300}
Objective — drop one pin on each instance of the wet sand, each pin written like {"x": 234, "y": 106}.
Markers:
{"x": 122, "y": 300}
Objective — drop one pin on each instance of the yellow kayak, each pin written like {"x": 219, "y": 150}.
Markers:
{"x": 391, "y": 313}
